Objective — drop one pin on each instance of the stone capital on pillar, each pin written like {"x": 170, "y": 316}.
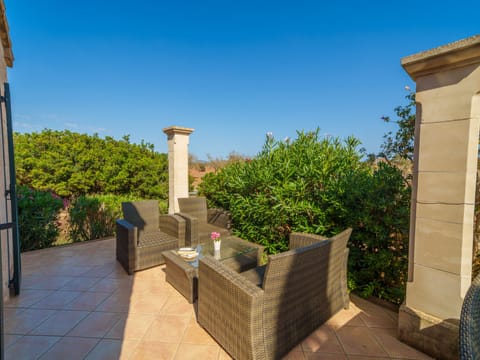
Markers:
{"x": 178, "y": 140}
{"x": 443, "y": 194}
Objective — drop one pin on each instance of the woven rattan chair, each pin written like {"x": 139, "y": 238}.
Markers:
{"x": 470, "y": 323}
{"x": 265, "y": 312}
{"x": 143, "y": 234}
{"x": 200, "y": 221}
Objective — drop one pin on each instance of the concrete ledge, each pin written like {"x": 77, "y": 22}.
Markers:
{"x": 459, "y": 53}
{"x": 430, "y": 335}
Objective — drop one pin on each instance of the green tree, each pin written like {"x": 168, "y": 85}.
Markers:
{"x": 401, "y": 143}
{"x": 72, "y": 164}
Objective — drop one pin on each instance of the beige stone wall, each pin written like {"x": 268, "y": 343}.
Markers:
{"x": 443, "y": 195}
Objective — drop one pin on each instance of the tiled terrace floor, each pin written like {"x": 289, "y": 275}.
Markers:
{"x": 77, "y": 302}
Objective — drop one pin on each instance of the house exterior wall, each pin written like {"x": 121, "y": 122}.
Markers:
{"x": 6, "y": 59}
{"x": 5, "y": 235}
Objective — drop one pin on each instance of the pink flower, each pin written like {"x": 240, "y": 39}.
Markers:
{"x": 215, "y": 236}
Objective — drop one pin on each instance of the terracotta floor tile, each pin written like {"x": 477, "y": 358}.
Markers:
{"x": 177, "y": 305}
{"x": 57, "y": 300}
{"x": 87, "y": 301}
{"x": 326, "y": 356}
{"x": 60, "y": 323}
{"x": 116, "y": 302}
{"x": 195, "y": 334}
{"x": 381, "y": 320}
{"x": 30, "y": 347}
{"x": 150, "y": 304}
{"x": 132, "y": 326}
{"x": 155, "y": 350}
{"x": 113, "y": 349}
{"x": 111, "y": 285}
{"x": 76, "y": 268}
{"x": 362, "y": 357}
{"x": 167, "y": 328}
{"x": 346, "y": 317}
{"x": 357, "y": 340}
{"x": 28, "y": 298}
{"x": 295, "y": 354}
{"x": 26, "y": 321}
{"x": 144, "y": 317}
{"x": 49, "y": 283}
{"x": 322, "y": 340}
{"x": 11, "y": 339}
{"x": 12, "y": 313}
{"x": 196, "y": 351}
{"x": 71, "y": 348}
{"x": 223, "y": 355}
{"x": 99, "y": 271}
{"x": 97, "y": 324}
{"x": 80, "y": 283}
{"x": 394, "y": 347}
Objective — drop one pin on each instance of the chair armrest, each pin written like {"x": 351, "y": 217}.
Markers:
{"x": 127, "y": 232}
{"x": 191, "y": 229}
{"x": 230, "y": 308}
{"x": 173, "y": 225}
{"x": 219, "y": 217}
{"x": 126, "y": 244}
{"x": 298, "y": 240}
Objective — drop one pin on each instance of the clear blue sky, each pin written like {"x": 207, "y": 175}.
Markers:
{"x": 232, "y": 70}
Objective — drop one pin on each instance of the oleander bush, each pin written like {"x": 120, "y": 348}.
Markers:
{"x": 322, "y": 186}
{"x": 37, "y": 218}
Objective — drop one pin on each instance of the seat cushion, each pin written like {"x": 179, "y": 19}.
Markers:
{"x": 153, "y": 238}
{"x": 255, "y": 275}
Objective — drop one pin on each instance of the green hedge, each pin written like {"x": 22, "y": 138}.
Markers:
{"x": 94, "y": 216}
{"x": 37, "y": 218}
{"x": 322, "y": 186}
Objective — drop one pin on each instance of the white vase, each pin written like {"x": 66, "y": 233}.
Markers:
{"x": 216, "y": 245}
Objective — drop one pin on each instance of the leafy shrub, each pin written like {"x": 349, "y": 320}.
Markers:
{"x": 37, "y": 216}
{"x": 378, "y": 207}
{"x": 94, "y": 217}
{"x": 321, "y": 186}
{"x": 287, "y": 187}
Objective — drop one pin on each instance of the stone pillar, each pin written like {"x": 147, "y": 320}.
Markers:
{"x": 178, "y": 140}
{"x": 443, "y": 196}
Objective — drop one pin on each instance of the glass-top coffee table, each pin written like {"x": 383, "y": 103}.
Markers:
{"x": 236, "y": 253}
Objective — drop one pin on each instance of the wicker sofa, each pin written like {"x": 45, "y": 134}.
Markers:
{"x": 143, "y": 234}
{"x": 470, "y": 323}
{"x": 265, "y": 312}
{"x": 201, "y": 221}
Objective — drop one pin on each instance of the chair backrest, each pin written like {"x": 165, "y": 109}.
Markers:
{"x": 302, "y": 289}
{"x": 143, "y": 214}
{"x": 194, "y": 206}
{"x": 469, "y": 339}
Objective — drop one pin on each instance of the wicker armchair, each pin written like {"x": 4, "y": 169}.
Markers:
{"x": 144, "y": 234}
{"x": 470, "y": 323}
{"x": 200, "y": 221}
{"x": 264, "y": 312}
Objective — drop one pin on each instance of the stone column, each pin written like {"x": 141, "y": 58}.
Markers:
{"x": 178, "y": 140}
{"x": 443, "y": 196}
